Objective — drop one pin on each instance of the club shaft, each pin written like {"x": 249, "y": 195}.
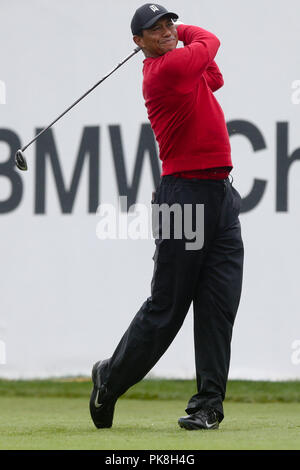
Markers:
{"x": 137, "y": 49}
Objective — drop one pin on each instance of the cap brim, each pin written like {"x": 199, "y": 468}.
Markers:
{"x": 154, "y": 20}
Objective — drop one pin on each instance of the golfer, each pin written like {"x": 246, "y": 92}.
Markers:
{"x": 189, "y": 125}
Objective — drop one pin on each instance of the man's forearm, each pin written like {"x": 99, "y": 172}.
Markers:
{"x": 213, "y": 76}
{"x": 194, "y": 34}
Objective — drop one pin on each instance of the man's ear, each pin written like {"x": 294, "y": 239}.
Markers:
{"x": 139, "y": 41}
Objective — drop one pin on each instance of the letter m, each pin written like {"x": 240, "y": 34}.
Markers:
{"x": 89, "y": 149}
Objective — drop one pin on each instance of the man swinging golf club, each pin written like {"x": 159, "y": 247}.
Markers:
{"x": 190, "y": 129}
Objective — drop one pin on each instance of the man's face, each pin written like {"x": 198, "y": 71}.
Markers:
{"x": 159, "y": 39}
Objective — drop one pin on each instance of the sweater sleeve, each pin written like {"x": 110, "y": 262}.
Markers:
{"x": 213, "y": 76}
{"x": 190, "y": 61}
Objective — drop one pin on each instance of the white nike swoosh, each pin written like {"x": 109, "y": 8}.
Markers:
{"x": 210, "y": 425}
{"x": 97, "y": 405}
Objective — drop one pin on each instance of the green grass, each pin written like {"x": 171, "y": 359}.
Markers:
{"x": 64, "y": 423}
{"x": 54, "y": 414}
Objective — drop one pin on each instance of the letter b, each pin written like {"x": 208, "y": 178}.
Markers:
{"x": 9, "y": 170}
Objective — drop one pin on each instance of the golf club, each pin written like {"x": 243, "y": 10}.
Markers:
{"x": 20, "y": 159}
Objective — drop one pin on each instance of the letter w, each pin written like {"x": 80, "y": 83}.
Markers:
{"x": 146, "y": 144}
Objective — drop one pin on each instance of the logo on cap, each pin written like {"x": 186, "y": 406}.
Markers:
{"x": 154, "y": 8}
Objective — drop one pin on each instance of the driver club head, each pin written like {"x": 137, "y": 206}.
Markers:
{"x": 21, "y": 160}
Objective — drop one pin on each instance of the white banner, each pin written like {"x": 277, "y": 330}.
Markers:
{"x": 67, "y": 296}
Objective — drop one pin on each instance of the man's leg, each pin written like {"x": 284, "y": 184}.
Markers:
{"x": 215, "y": 306}
{"x": 175, "y": 277}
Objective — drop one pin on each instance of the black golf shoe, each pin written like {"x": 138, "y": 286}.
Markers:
{"x": 102, "y": 406}
{"x": 205, "y": 418}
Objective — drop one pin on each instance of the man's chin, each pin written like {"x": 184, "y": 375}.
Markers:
{"x": 168, "y": 48}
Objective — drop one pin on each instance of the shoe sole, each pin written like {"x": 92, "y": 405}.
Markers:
{"x": 93, "y": 410}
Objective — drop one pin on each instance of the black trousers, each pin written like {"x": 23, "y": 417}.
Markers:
{"x": 210, "y": 278}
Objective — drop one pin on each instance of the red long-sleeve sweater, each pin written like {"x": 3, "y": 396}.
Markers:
{"x": 186, "y": 118}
